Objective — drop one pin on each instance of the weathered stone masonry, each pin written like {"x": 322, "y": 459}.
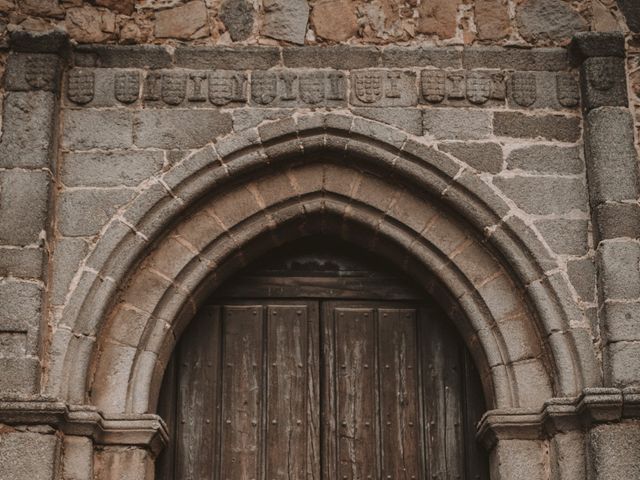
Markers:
{"x": 134, "y": 180}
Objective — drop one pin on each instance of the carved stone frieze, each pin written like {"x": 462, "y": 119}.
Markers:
{"x": 226, "y": 87}
{"x": 292, "y": 88}
{"x": 383, "y": 88}
{"x": 474, "y": 86}
{"x": 279, "y": 87}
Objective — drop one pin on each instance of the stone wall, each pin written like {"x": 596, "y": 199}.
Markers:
{"x": 515, "y": 23}
{"x": 522, "y": 23}
{"x": 132, "y": 175}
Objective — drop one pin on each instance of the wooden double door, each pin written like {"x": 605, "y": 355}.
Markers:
{"x": 310, "y": 389}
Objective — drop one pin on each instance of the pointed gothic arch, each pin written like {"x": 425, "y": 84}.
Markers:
{"x": 127, "y": 306}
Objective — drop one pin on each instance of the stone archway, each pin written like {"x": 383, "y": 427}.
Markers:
{"x": 379, "y": 148}
{"x": 229, "y": 202}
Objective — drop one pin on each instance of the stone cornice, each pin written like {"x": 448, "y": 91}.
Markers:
{"x": 594, "y": 405}
{"x": 145, "y": 430}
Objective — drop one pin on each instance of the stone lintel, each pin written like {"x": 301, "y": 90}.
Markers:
{"x": 144, "y": 430}
{"x": 334, "y": 56}
{"x": 52, "y": 41}
{"x": 593, "y": 406}
{"x": 596, "y": 44}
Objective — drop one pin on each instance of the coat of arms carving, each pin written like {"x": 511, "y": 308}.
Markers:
{"x": 264, "y": 87}
{"x": 152, "y": 86}
{"x": 368, "y": 86}
{"x": 524, "y": 88}
{"x": 312, "y": 87}
{"x": 455, "y": 85}
{"x": 40, "y": 71}
{"x": 126, "y": 86}
{"x": 81, "y": 86}
{"x": 433, "y": 85}
{"x": 567, "y": 89}
{"x": 226, "y": 86}
{"x": 478, "y": 87}
{"x": 174, "y": 87}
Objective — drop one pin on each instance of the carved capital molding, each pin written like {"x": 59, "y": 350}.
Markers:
{"x": 144, "y": 430}
{"x": 593, "y": 406}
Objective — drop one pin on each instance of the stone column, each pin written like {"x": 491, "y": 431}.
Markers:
{"x": 27, "y": 166}
{"x": 612, "y": 171}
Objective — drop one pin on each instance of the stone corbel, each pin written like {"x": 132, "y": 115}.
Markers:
{"x": 140, "y": 430}
{"x": 593, "y": 406}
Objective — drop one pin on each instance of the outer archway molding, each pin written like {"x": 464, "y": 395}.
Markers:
{"x": 384, "y": 150}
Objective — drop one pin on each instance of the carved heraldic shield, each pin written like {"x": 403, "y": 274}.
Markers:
{"x": 478, "y": 87}
{"x": 81, "y": 86}
{"x": 523, "y": 88}
{"x": 40, "y": 72}
{"x": 567, "y": 90}
{"x": 312, "y": 88}
{"x": 221, "y": 88}
{"x": 126, "y": 86}
{"x": 368, "y": 86}
{"x": 433, "y": 85}
{"x": 174, "y": 88}
{"x": 264, "y": 87}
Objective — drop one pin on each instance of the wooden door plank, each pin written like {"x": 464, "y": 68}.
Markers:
{"x": 356, "y": 387}
{"x": 197, "y": 381}
{"x": 313, "y": 393}
{"x": 442, "y": 384}
{"x": 287, "y": 383}
{"x": 242, "y": 393}
{"x": 328, "y": 429}
{"x": 167, "y": 410}
{"x": 399, "y": 407}
{"x": 477, "y": 467}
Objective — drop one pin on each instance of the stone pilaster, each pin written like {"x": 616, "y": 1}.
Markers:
{"x": 27, "y": 166}
{"x": 613, "y": 189}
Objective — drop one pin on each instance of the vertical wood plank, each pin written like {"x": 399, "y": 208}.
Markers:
{"x": 242, "y": 393}
{"x": 328, "y": 429}
{"x": 287, "y": 383}
{"x": 477, "y": 465}
{"x": 167, "y": 410}
{"x": 399, "y": 407}
{"x": 197, "y": 379}
{"x": 356, "y": 393}
{"x": 313, "y": 393}
{"x": 442, "y": 384}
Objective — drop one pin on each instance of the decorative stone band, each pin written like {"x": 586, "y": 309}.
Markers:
{"x": 284, "y": 87}
{"x": 143, "y": 430}
{"x": 593, "y": 406}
